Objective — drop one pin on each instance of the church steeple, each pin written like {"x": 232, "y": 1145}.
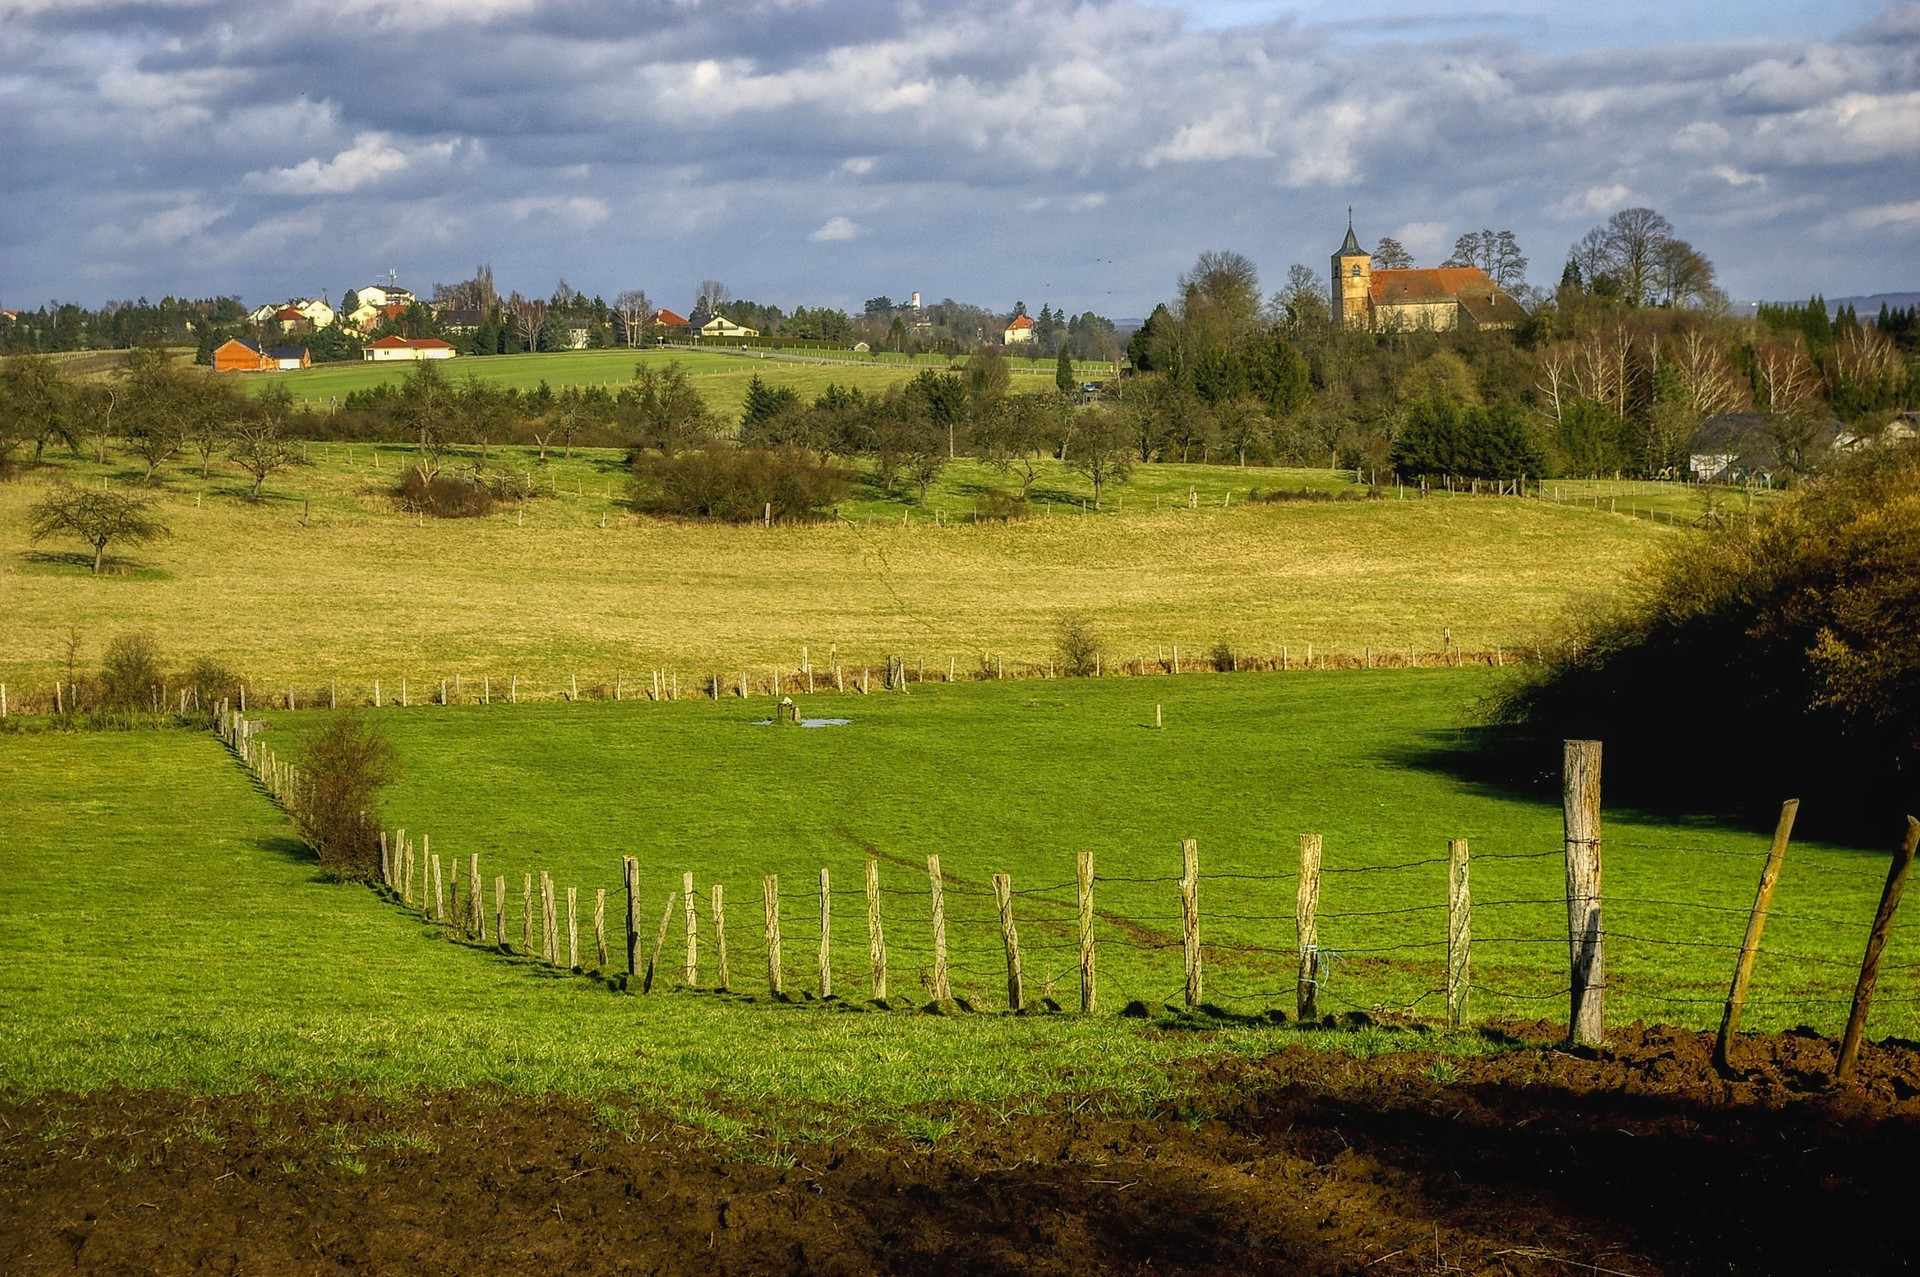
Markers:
{"x": 1350, "y": 247}
{"x": 1352, "y": 282}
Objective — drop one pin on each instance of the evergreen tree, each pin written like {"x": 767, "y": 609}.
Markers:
{"x": 1063, "y": 372}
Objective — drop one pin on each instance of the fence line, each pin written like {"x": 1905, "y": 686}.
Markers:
{"x": 973, "y": 946}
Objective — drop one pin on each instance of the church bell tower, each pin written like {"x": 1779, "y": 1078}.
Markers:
{"x": 1352, "y": 282}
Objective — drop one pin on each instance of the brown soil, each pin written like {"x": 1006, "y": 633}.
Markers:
{"x": 1635, "y": 1160}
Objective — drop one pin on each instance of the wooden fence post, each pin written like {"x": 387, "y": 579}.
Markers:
{"x": 876, "y": 936}
{"x": 770, "y": 903}
{"x": 600, "y": 928}
{"x": 942, "y": 990}
{"x": 476, "y": 900}
{"x": 548, "y": 940}
{"x": 1010, "y": 938}
{"x": 573, "y": 928}
{"x": 1459, "y": 932}
{"x": 1580, "y": 801}
{"x": 1750, "y": 943}
{"x": 723, "y": 978}
{"x": 526, "y": 914}
{"x": 439, "y": 896}
{"x": 1876, "y": 944}
{"x": 386, "y": 861}
{"x": 409, "y": 876}
{"x": 1190, "y": 917}
{"x": 500, "y": 911}
{"x": 659, "y": 943}
{"x": 1306, "y": 904}
{"x": 1084, "y": 872}
{"x": 630, "y": 874}
{"x": 693, "y": 930}
{"x": 826, "y": 937}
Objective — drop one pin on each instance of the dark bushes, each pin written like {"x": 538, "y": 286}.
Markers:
{"x": 1775, "y": 658}
{"x": 337, "y": 807}
{"x": 737, "y": 485}
{"x": 446, "y": 497}
{"x": 130, "y": 674}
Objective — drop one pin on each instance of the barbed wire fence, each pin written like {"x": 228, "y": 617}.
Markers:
{"x": 1317, "y": 941}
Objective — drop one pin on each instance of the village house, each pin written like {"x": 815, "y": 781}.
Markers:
{"x": 1019, "y": 331}
{"x": 721, "y": 326}
{"x": 389, "y": 349}
{"x": 298, "y": 316}
{"x": 1444, "y": 299}
{"x": 240, "y": 355}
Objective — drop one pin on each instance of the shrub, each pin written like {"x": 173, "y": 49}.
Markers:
{"x": 997, "y": 505}
{"x": 737, "y": 485}
{"x": 130, "y": 673}
{"x": 209, "y": 681}
{"x": 1769, "y": 658}
{"x": 446, "y": 497}
{"x": 1079, "y": 645}
{"x": 337, "y": 807}
{"x": 1222, "y": 657}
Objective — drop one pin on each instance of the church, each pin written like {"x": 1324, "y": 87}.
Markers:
{"x": 1446, "y": 299}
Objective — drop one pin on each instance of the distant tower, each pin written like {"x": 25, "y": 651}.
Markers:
{"x": 1352, "y": 282}
{"x": 916, "y": 299}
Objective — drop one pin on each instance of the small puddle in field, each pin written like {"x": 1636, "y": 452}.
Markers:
{"x": 807, "y": 722}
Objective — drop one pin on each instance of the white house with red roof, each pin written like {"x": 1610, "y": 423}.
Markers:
{"x": 1020, "y": 330}
{"x": 390, "y": 349}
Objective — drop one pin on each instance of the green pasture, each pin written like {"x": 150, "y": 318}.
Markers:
{"x": 164, "y": 928}
{"x": 720, "y": 376}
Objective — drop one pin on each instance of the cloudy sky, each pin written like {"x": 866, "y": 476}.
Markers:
{"x": 826, "y": 151}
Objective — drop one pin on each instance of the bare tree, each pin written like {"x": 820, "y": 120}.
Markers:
{"x": 713, "y": 295}
{"x": 1634, "y": 237}
{"x": 1557, "y": 380}
{"x": 1495, "y": 252}
{"x": 1786, "y": 375}
{"x": 1681, "y": 273}
{"x": 97, "y": 517}
{"x": 636, "y": 314}
{"x": 1711, "y": 383}
{"x": 1391, "y": 255}
{"x": 529, "y": 321}
{"x": 1220, "y": 293}
{"x": 1102, "y": 449}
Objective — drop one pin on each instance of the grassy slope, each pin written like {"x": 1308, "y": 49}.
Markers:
{"x": 722, "y": 378}
{"x": 152, "y": 940}
{"x": 544, "y": 591}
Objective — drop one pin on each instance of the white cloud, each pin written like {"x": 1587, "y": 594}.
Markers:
{"x": 371, "y": 158}
{"x": 1426, "y": 240}
{"x": 1595, "y": 199}
{"x": 1880, "y": 215}
{"x": 1736, "y": 177}
{"x": 835, "y": 229}
{"x": 581, "y": 212}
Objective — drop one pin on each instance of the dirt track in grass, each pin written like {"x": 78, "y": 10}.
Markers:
{"x": 1639, "y": 1159}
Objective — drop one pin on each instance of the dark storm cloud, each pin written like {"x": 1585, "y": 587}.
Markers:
{"x": 828, "y": 151}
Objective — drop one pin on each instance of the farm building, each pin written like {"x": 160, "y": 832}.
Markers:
{"x": 669, "y": 322}
{"x": 1445, "y": 299}
{"x": 1020, "y": 330}
{"x": 240, "y": 355}
{"x": 393, "y": 348}
{"x": 1743, "y": 447}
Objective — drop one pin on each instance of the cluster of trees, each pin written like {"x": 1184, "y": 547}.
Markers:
{"x": 119, "y": 325}
{"x": 153, "y": 408}
{"x": 133, "y": 684}
{"x": 1791, "y": 628}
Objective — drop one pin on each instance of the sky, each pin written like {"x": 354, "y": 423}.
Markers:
{"x": 822, "y": 152}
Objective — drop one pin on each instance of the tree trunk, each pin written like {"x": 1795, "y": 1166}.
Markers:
{"x": 99, "y": 555}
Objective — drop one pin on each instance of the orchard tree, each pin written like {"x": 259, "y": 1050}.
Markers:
{"x": 1102, "y": 449}
{"x": 96, "y": 517}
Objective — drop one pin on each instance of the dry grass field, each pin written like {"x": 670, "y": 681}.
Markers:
{"x": 327, "y": 580}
